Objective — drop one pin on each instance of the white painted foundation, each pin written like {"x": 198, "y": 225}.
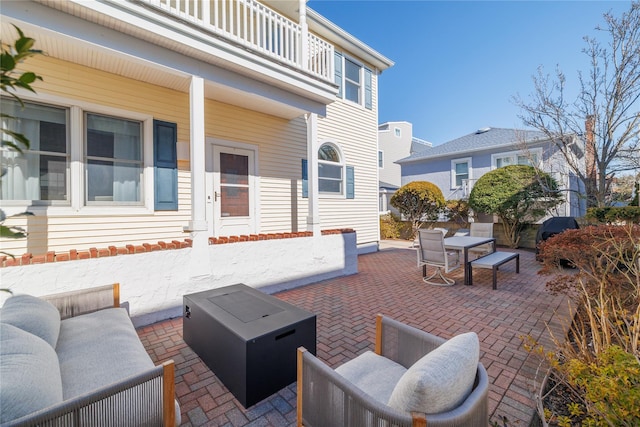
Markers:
{"x": 153, "y": 283}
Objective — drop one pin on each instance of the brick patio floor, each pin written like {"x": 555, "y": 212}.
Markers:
{"x": 388, "y": 282}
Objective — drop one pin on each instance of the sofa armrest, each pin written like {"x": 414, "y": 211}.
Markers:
{"x": 83, "y": 301}
{"x": 325, "y": 398}
{"x": 146, "y": 398}
{"x": 402, "y": 343}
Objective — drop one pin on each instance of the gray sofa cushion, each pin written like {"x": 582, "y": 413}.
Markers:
{"x": 375, "y": 375}
{"x": 29, "y": 373}
{"x": 33, "y": 315}
{"x": 98, "y": 349}
{"x": 441, "y": 380}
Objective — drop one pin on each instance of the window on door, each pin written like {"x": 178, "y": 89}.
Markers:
{"x": 234, "y": 185}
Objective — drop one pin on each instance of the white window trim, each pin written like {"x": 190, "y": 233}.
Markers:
{"x": 76, "y": 205}
{"x": 454, "y": 162}
{"x": 342, "y": 164}
{"x": 515, "y": 154}
{"x": 361, "y": 93}
{"x": 397, "y": 132}
{"x": 380, "y": 152}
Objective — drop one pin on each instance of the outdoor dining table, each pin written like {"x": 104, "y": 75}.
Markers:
{"x": 463, "y": 243}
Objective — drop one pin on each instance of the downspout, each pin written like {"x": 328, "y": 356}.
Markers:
{"x": 313, "y": 218}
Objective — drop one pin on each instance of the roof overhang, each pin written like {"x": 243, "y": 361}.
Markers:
{"x": 126, "y": 39}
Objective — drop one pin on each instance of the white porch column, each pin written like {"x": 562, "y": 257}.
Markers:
{"x": 304, "y": 34}
{"x": 198, "y": 261}
{"x": 313, "y": 220}
{"x": 196, "y": 110}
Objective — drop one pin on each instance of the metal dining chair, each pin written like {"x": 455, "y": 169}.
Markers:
{"x": 431, "y": 252}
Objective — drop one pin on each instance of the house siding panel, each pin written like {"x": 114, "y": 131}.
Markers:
{"x": 354, "y": 128}
{"x": 280, "y": 143}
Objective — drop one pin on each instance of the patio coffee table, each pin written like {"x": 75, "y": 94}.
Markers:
{"x": 247, "y": 338}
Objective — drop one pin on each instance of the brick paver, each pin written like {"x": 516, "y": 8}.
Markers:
{"x": 388, "y": 282}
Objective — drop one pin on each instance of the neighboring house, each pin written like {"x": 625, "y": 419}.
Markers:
{"x": 456, "y": 165}
{"x": 204, "y": 121}
{"x": 395, "y": 141}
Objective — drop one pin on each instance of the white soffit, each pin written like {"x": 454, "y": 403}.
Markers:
{"x": 145, "y": 67}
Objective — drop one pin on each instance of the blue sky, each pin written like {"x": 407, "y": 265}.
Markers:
{"x": 458, "y": 64}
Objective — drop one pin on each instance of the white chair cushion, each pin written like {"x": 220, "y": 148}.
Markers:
{"x": 29, "y": 374}
{"x": 34, "y": 315}
{"x": 375, "y": 375}
{"x": 441, "y": 380}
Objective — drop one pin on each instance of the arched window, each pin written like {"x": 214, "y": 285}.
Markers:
{"x": 330, "y": 170}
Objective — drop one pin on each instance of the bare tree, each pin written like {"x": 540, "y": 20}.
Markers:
{"x": 606, "y": 112}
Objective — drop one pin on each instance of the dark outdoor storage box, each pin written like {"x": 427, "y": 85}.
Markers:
{"x": 247, "y": 338}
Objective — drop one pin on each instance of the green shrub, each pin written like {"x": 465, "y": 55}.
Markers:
{"x": 610, "y": 215}
{"x": 458, "y": 211}
{"x": 517, "y": 194}
{"x": 611, "y": 387}
{"x": 420, "y": 202}
{"x": 390, "y": 227}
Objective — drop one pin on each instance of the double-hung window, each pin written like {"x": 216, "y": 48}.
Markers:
{"x": 40, "y": 175}
{"x": 460, "y": 172}
{"x": 330, "y": 170}
{"x": 86, "y": 156}
{"x": 354, "y": 81}
{"x": 114, "y": 163}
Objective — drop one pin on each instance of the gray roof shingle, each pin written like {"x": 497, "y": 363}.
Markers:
{"x": 482, "y": 139}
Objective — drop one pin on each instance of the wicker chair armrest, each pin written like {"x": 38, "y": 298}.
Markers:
{"x": 325, "y": 398}
{"x": 402, "y": 343}
{"x": 83, "y": 301}
{"x": 145, "y": 397}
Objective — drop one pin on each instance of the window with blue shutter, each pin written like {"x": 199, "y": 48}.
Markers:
{"x": 351, "y": 183}
{"x": 368, "y": 92}
{"x": 338, "y": 72}
{"x": 165, "y": 162}
{"x": 305, "y": 179}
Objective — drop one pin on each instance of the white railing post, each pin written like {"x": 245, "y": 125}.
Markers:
{"x": 206, "y": 12}
{"x": 303, "y": 55}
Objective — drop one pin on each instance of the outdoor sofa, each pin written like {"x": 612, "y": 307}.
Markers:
{"x": 75, "y": 359}
{"x": 412, "y": 379}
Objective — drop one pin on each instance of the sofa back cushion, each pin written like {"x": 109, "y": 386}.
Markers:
{"x": 34, "y": 315}
{"x": 441, "y": 380}
{"x": 29, "y": 371}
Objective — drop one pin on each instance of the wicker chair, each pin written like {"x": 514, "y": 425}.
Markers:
{"x": 327, "y": 398}
{"x": 431, "y": 252}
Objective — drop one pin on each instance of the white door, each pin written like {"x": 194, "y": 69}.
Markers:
{"x": 233, "y": 191}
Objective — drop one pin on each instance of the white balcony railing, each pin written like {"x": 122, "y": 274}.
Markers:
{"x": 258, "y": 28}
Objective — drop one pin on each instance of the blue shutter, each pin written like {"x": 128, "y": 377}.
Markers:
{"x": 351, "y": 183}
{"x": 305, "y": 179}
{"x": 368, "y": 93}
{"x": 165, "y": 162}
{"x": 338, "y": 72}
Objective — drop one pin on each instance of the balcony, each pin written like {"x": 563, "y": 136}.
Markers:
{"x": 256, "y": 28}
